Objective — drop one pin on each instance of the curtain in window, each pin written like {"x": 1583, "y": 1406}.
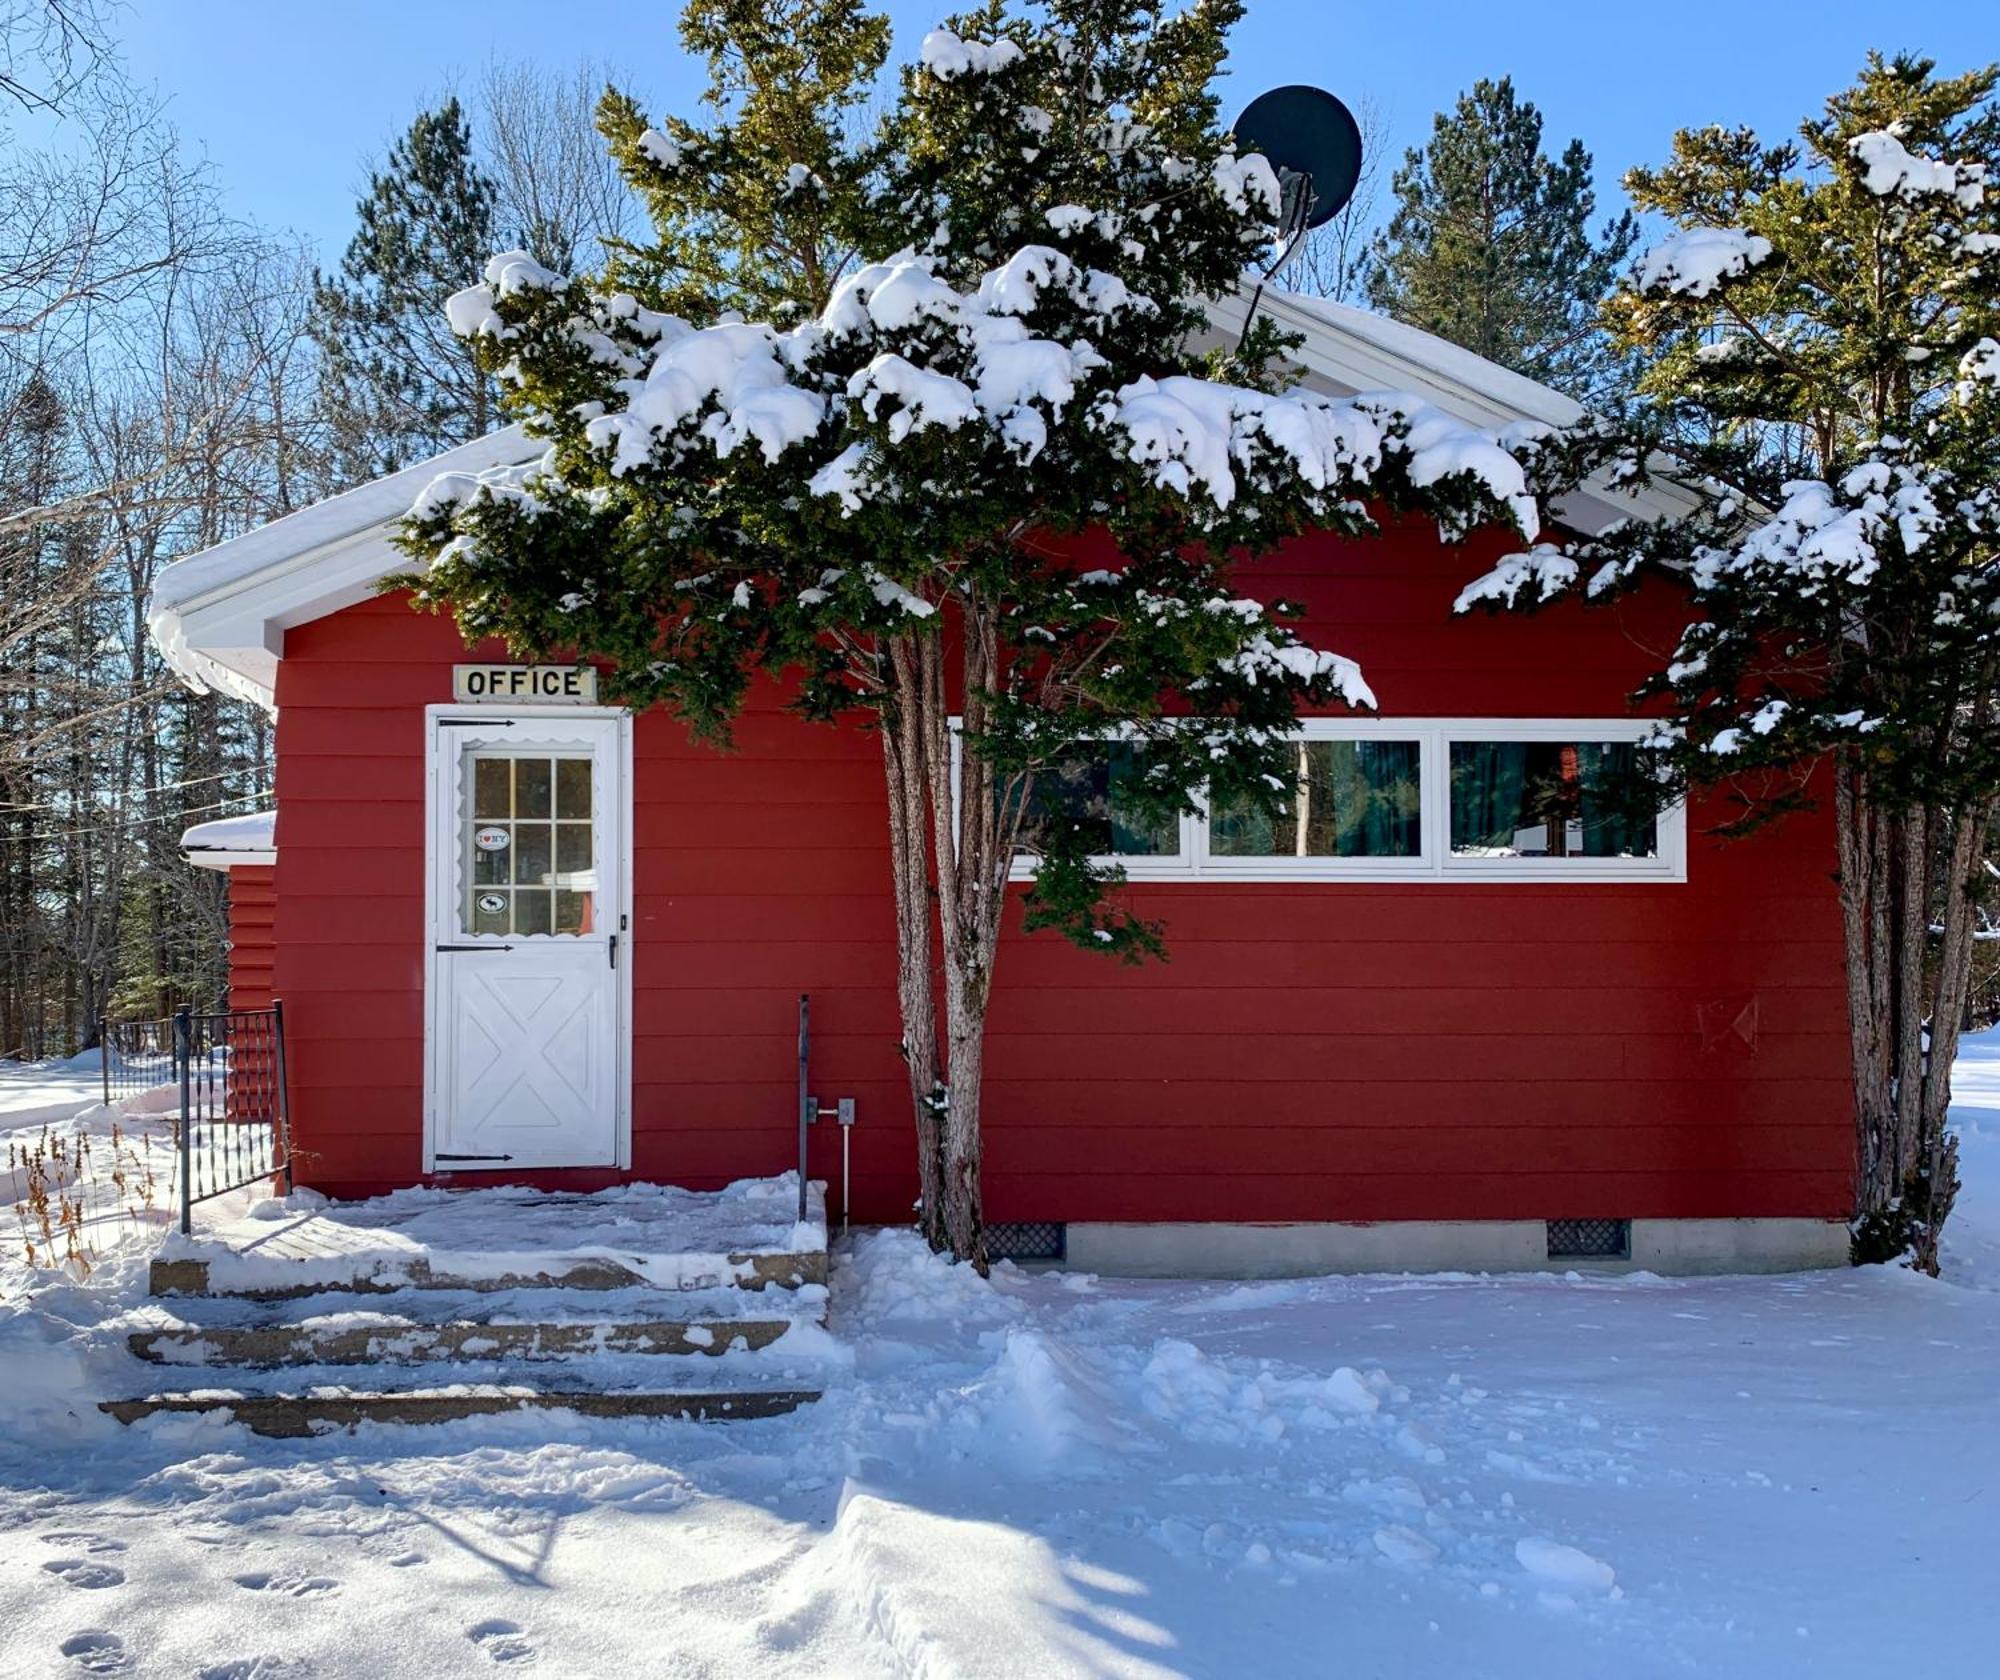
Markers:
{"x": 1488, "y": 779}
{"x": 1612, "y": 826}
{"x": 1375, "y": 790}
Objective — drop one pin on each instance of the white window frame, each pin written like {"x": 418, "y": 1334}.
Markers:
{"x": 1434, "y": 736}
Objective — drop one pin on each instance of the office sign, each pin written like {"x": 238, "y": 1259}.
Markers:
{"x": 542, "y": 685}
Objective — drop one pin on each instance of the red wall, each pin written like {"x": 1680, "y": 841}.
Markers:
{"x": 253, "y": 901}
{"x": 1310, "y": 1051}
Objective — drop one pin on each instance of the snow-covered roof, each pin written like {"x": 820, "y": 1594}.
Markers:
{"x": 220, "y": 616}
{"x": 229, "y": 841}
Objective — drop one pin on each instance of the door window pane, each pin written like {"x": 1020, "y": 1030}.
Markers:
{"x": 573, "y": 787}
{"x": 492, "y": 787}
{"x": 523, "y": 873}
{"x": 1548, "y": 799}
{"x": 1096, "y": 791}
{"x": 1347, "y": 799}
{"x": 531, "y": 787}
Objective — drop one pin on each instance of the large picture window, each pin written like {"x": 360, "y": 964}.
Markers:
{"x": 1397, "y": 799}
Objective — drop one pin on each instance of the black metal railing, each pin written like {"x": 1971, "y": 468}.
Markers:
{"x": 235, "y": 1128}
{"x": 225, "y": 1070}
{"x": 136, "y": 1057}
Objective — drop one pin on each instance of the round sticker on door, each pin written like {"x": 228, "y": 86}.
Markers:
{"x": 490, "y": 839}
{"x": 491, "y": 904}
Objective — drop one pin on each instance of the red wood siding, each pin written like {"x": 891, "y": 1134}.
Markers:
{"x": 1310, "y": 1051}
{"x": 253, "y": 900}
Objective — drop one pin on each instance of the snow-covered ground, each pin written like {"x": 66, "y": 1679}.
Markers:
{"x": 1059, "y": 1475}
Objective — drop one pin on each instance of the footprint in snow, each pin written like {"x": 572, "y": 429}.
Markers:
{"x": 80, "y": 1572}
{"x": 407, "y": 1560}
{"x": 501, "y": 1640}
{"x": 293, "y": 1586}
{"x": 94, "y": 1651}
{"x": 258, "y": 1668}
{"x": 77, "y": 1541}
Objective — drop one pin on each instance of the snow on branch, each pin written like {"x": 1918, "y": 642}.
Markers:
{"x": 1544, "y": 571}
{"x": 946, "y": 55}
{"x": 1889, "y": 168}
{"x": 1696, "y": 260}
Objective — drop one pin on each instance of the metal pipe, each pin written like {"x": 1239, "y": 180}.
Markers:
{"x": 281, "y": 1117}
{"x": 184, "y": 1056}
{"x": 805, "y": 1098}
{"x": 104, "y": 1055}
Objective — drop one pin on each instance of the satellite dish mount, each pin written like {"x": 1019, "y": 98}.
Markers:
{"x": 1313, "y": 145}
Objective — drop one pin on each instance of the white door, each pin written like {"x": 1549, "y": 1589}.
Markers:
{"x": 526, "y": 1060}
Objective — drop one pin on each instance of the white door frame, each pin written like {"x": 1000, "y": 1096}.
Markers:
{"x": 440, "y": 765}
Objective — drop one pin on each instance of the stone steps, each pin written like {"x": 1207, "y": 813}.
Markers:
{"x": 643, "y": 1301}
{"x": 404, "y": 1341}
{"x": 291, "y": 1415}
{"x": 751, "y": 1271}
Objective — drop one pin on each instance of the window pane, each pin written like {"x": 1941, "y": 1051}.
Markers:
{"x": 532, "y": 863}
{"x": 490, "y": 911}
{"x": 492, "y": 865}
{"x": 490, "y": 788}
{"x": 572, "y": 912}
{"x": 1348, "y": 799}
{"x": 531, "y": 912}
{"x": 1096, "y": 791}
{"x": 1547, "y": 799}
{"x": 572, "y": 787}
{"x": 572, "y": 847}
{"x": 531, "y": 787}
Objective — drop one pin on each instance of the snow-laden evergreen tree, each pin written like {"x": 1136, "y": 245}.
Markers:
{"x": 398, "y": 385}
{"x": 1829, "y": 312}
{"x": 1492, "y": 246}
{"x": 963, "y": 366}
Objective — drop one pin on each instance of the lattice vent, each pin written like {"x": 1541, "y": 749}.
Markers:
{"x": 1044, "y": 1239}
{"x": 1590, "y": 1239}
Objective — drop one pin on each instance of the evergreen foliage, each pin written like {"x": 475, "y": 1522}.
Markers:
{"x": 397, "y": 385}
{"x": 965, "y": 363}
{"x": 1826, "y": 322}
{"x": 1491, "y": 246}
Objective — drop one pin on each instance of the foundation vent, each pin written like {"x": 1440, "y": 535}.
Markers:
{"x": 1042, "y": 1239}
{"x": 1590, "y": 1239}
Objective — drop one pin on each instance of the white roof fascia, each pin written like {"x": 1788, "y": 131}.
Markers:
{"x": 206, "y": 857}
{"x": 1348, "y": 351}
{"x": 220, "y": 616}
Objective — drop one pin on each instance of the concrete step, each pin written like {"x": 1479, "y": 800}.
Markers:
{"x": 388, "y": 1340}
{"x": 288, "y": 1415}
{"x": 318, "y": 1274}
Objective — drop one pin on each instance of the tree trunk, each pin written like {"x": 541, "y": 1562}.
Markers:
{"x": 1904, "y": 1010}
{"x": 903, "y": 755}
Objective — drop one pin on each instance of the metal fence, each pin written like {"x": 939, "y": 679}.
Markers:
{"x": 136, "y": 1057}
{"x": 226, "y": 1073}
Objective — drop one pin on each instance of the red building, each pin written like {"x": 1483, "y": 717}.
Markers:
{"x": 1453, "y": 1011}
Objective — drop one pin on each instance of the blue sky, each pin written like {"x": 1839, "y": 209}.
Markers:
{"x": 287, "y": 98}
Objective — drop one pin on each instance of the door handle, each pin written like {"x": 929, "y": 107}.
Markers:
{"x": 612, "y": 949}
{"x": 473, "y": 947}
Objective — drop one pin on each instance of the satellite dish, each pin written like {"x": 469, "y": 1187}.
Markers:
{"x": 1313, "y": 143}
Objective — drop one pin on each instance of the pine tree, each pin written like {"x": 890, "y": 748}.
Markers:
{"x": 876, "y": 488}
{"x": 1829, "y": 314}
{"x": 1491, "y": 246}
{"x": 399, "y": 387}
